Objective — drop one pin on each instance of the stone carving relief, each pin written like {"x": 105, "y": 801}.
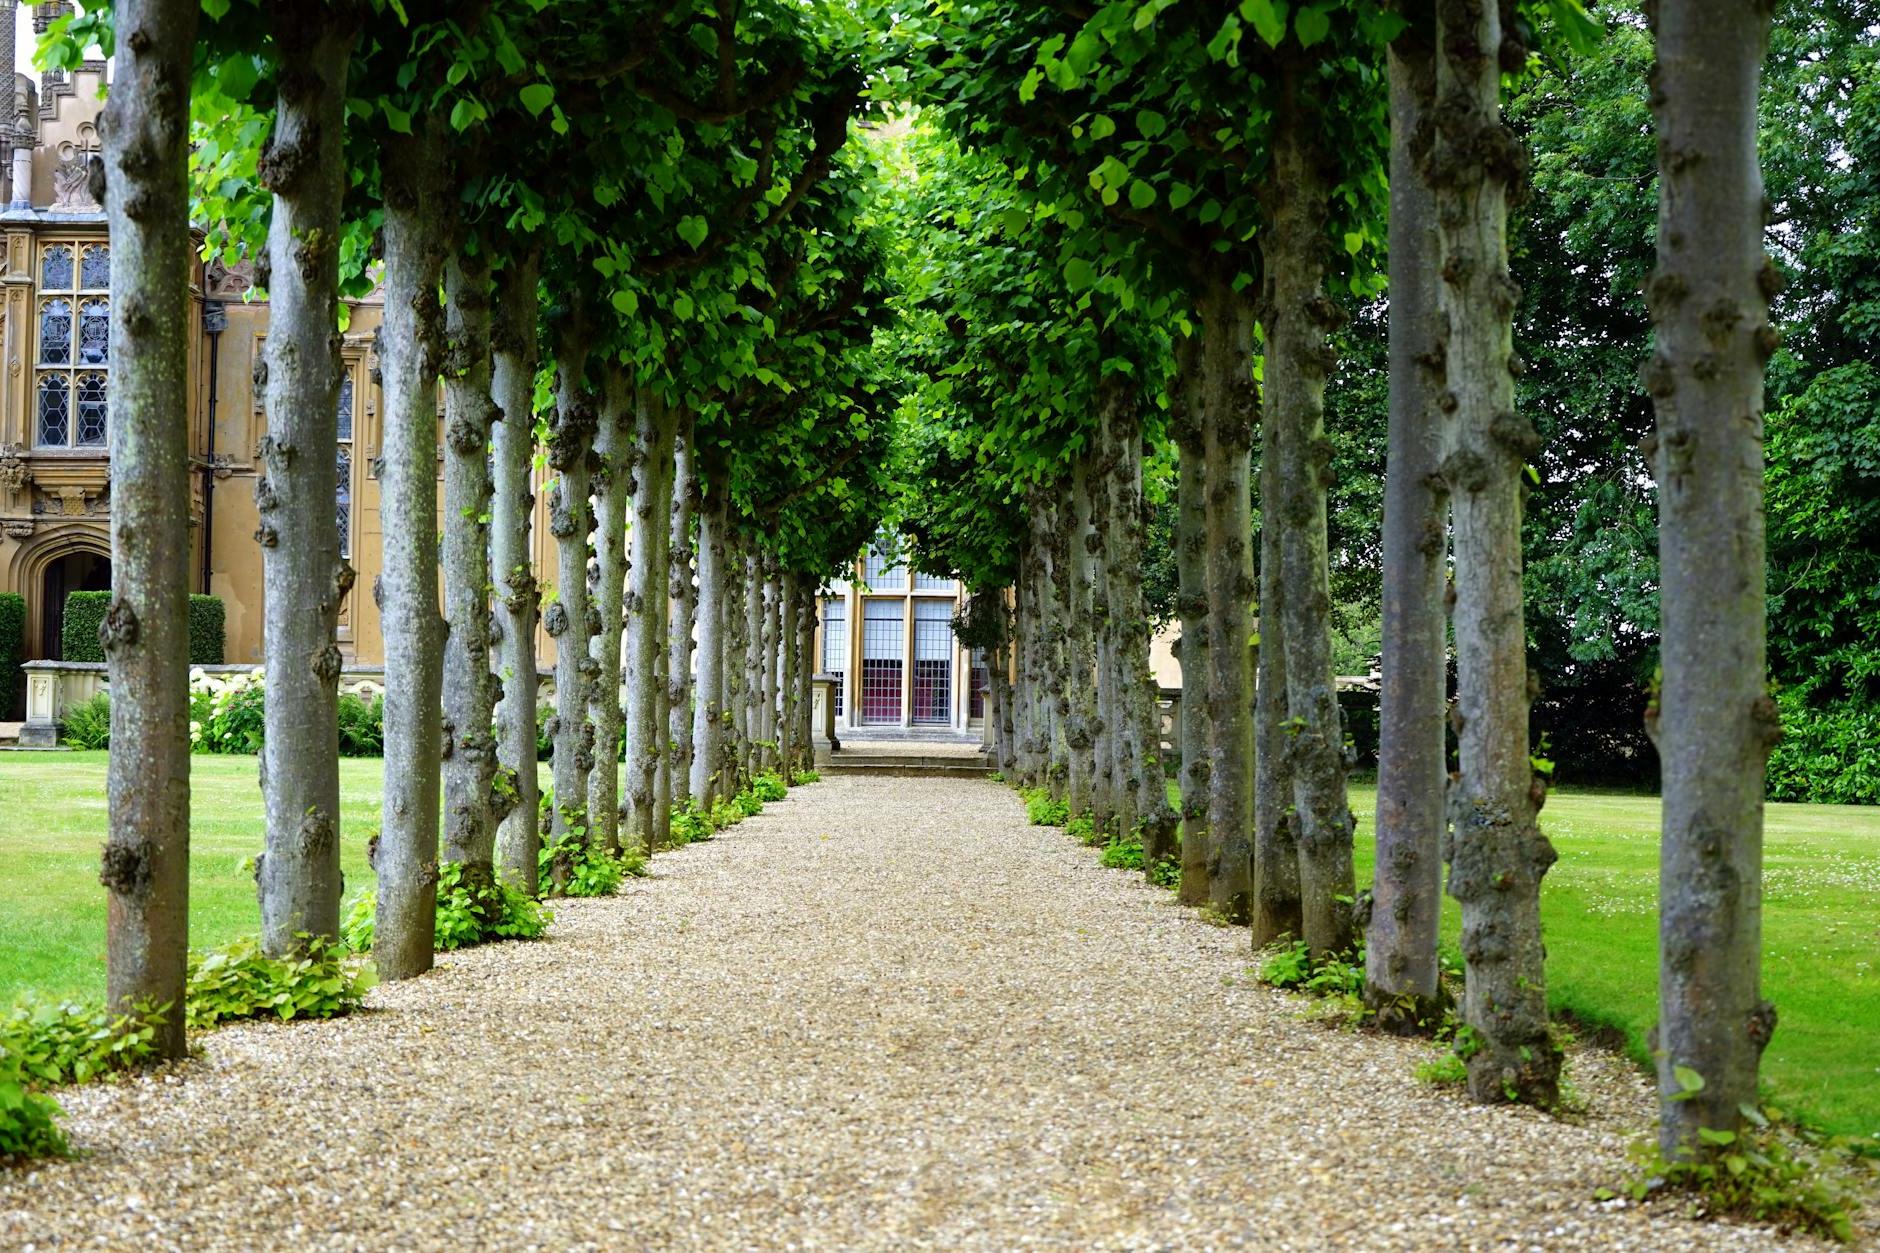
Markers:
{"x": 227, "y": 282}
{"x": 71, "y": 178}
{"x": 19, "y": 528}
{"x": 72, "y": 502}
{"x": 15, "y": 474}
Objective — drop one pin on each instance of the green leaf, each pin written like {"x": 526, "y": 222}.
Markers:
{"x": 1354, "y": 242}
{"x": 396, "y": 118}
{"x": 465, "y": 114}
{"x": 692, "y": 229}
{"x": 1102, "y": 127}
{"x": 236, "y": 77}
{"x": 1079, "y": 274}
{"x": 1141, "y": 194}
{"x": 626, "y": 301}
{"x": 1179, "y": 195}
{"x": 1312, "y": 25}
{"x": 1689, "y": 1082}
{"x": 1150, "y": 123}
{"x": 1268, "y": 18}
{"x": 1710, "y": 1135}
{"x": 682, "y": 307}
{"x": 536, "y": 98}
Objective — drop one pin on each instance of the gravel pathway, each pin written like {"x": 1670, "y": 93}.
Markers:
{"x": 883, "y": 1013}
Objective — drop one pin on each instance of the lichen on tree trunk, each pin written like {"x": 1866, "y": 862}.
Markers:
{"x": 654, "y": 427}
{"x": 145, "y": 632}
{"x": 1191, "y": 545}
{"x": 1227, "y": 419}
{"x": 1497, "y": 852}
{"x": 410, "y": 343}
{"x": 1080, "y": 645}
{"x": 470, "y": 794}
{"x": 617, "y": 453}
{"x": 1402, "y": 978}
{"x": 512, "y": 387}
{"x": 305, "y": 576}
{"x": 708, "y": 715}
{"x": 570, "y": 455}
{"x": 683, "y": 597}
{"x": 1714, "y": 721}
{"x": 1297, "y": 314}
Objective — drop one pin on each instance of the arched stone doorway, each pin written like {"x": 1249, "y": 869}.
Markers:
{"x": 79, "y": 570}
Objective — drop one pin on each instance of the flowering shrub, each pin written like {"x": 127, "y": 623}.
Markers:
{"x": 226, "y": 714}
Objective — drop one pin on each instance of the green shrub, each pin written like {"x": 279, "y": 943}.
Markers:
{"x": 467, "y": 914}
{"x": 726, "y": 812}
{"x": 238, "y": 980}
{"x": 1041, "y": 810}
{"x": 1083, "y": 829}
{"x": 78, "y": 634}
{"x": 1829, "y": 755}
{"x": 591, "y": 871}
{"x": 749, "y": 803}
{"x": 1121, "y": 854}
{"x": 53, "y": 1043}
{"x": 1443, "y": 1070}
{"x": 361, "y": 726}
{"x": 769, "y": 786}
{"x": 29, "y": 1120}
{"x": 544, "y": 745}
{"x": 12, "y": 650}
{"x": 1167, "y": 873}
{"x": 690, "y": 824}
{"x": 1294, "y": 967}
{"x": 228, "y": 715}
{"x": 803, "y": 777}
{"x": 208, "y": 635}
{"x": 88, "y": 724}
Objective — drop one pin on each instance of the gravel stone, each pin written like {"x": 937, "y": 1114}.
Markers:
{"x": 884, "y": 1013}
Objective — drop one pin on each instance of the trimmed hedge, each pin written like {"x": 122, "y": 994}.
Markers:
{"x": 78, "y": 638}
{"x": 12, "y": 649}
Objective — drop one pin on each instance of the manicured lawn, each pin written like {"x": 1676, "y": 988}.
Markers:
{"x": 1821, "y": 938}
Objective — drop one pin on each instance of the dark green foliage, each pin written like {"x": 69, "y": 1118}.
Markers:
{"x": 1041, "y": 810}
{"x": 54, "y": 1043}
{"x": 208, "y": 635}
{"x": 1829, "y": 754}
{"x": 690, "y": 824}
{"x": 87, "y": 724}
{"x": 592, "y": 871}
{"x": 12, "y": 650}
{"x": 1293, "y": 967}
{"x": 467, "y": 914}
{"x": 805, "y": 776}
{"x": 238, "y": 980}
{"x": 29, "y": 1120}
{"x": 78, "y": 634}
{"x": 361, "y": 726}
{"x": 1358, "y": 707}
{"x": 769, "y": 786}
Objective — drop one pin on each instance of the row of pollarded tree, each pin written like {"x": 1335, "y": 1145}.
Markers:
{"x": 662, "y": 288}
{"x": 1219, "y": 174}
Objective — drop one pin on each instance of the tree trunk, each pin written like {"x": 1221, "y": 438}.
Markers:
{"x": 736, "y": 663}
{"x": 1191, "y": 544}
{"x": 619, "y": 455}
{"x": 1297, "y": 315}
{"x": 1080, "y": 645}
{"x": 1228, "y": 406}
{"x": 146, "y": 632}
{"x": 683, "y": 595}
{"x": 305, "y": 574}
{"x": 751, "y": 716}
{"x": 1025, "y": 767}
{"x": 1402, "y": 980}
{"x": 1497, "y": 852}
{"x": 646, "y": 613}
{"x": 805, "y": 680}
{"x": 410, "y": 339}
{"x": 512, "y": 386}
{"x": 469, "y": 687}
{"x": 789, "y": 604}
{"x": 1108, "y": 744}
{"x": 1277, "y": 909}
{"x": 769, "y": 662}
{"x": 708, "y": 715}
{"x": 1714, "y": 720}
{"x": 570, "y": 455}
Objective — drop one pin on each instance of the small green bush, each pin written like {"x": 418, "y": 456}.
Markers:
{"x": 208, "y": 633}
{"x": 53, "y": 1043}
{"x": 88, "y": 724}
{"x": 748, "y": 802}
{"x": 361, "y": 726}
{"x": 1828, "y": 755}
{"x": 29, "y": 1120}
{"x": 228, "y": 715}
{"x": 1041, "y": 810}
{"x": 1083, "y": 829}
{"x": 592, "y": 871}
{"x": 769, "y": 786}
{"x": 690, "y": 824}
{"x": 1293, "y": 967}
{"x": 238, "y": 980}
{"x": 78, "y": 631}
{"x": 1167, "y": 873}
{"x": 467, "y": 915}
{"x": 12, "y": 650}
{"x": 803, "y": 777}
{"x": 726, "y": 812}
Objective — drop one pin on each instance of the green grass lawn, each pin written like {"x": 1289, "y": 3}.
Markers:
{"x": 1821, "y": 938}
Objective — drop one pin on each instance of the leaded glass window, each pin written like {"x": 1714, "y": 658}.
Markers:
{"x": 345, "y": 406}
{"x": 73, "y": 386}
{"x": 55, "y": 410}
{"x": 55, "y": 332}
{"x": 94, "y": 268}
{"x": 55, "y": 268}
{"x": 345, "y": 500}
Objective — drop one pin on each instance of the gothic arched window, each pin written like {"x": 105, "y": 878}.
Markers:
{"x": 72, "y": 387}
{"x": 344, "y": 502}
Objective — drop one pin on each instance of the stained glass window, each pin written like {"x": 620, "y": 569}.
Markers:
{"x": 345, "y": 500}
{"x": 345, "y": 405}
{"x": 55, "y": 411}
{"x": 55, "y": 332}
{"x": 94, "y": 332}
{"x": 55, "y": 268}
{"x": 92, "y": 410}
{"x": 94, "y": 268}
{"x": 73, "y": 404}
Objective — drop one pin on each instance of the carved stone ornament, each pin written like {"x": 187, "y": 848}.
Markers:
{"x": 18, "y": 528}
{"x": 71, "y": 180}
{"x": 15, "y": 474}
{"x": 222, "y": 465}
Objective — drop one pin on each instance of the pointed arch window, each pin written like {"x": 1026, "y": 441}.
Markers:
{"x": 344, "y": 500}
{"x": 72, "y": 381}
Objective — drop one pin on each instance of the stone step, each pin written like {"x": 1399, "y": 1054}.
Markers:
{"x": 902, "y": 765}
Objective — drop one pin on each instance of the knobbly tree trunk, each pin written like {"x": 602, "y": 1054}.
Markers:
{"x": 1228, "y": 406}
{"x": 1191, "y": 542}
{"x": 1080, "y": 645}
{"x": 1146, "y": 786}
{"x": 1025, "y": 767}
{"x": 805, "y": 679}
{"x": 683, "y": 596}
{"x": 512, "y": 386}
{"x": 708, "y": 715}
{"x": 736, "y": 662}
{"x": 410, "y": 341}
{"x": 1277, "y": 911}
{"x": 470, "y": 812}
{"x": 752, "y": 712}
{"x": 1714, "y": 720}
{"x": 1048, "y": 676}
{"x": 1497, "y": 852}
{"x": 646, "y": 613}
{"x": 570, "y": 455}
{"x": 769, "y": 660}
{"x": 789, "y": 604}
{"x": 618, "y": 453}
{"x": 303, "y": 573}
{"x": 1113, "y": 811}
{"x": 145, "y": 634}
{"x": 1402, "y": 980}
{"x": 1297, "y": 315}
